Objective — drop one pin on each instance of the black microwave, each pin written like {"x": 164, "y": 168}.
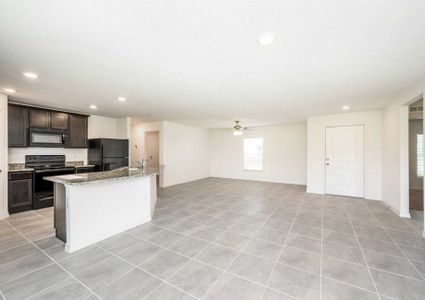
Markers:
{"x": 39, "y": 137}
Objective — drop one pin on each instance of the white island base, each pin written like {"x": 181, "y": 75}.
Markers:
{"x": 88, "y": 213}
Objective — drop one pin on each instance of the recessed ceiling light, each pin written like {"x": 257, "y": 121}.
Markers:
{"x": 9, "y": 90}
{"x": 30, "y": 75}
{"x": 345, "y": 107}
{"x": 122, "y": 99}
{"x": 93, "y": 106}
{"x": 266, "y": 39}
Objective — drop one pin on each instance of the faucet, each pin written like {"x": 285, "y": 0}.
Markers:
{"x": 138, "y": 164}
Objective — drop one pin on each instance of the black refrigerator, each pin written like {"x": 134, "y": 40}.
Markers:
{"x": 108, "y": 154}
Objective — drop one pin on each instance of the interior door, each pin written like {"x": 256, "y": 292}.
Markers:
{"x": 345, "y": 160}
{"x": 152, "y": 149}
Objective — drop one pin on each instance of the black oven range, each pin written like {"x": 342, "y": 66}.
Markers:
{"x": 45, "y": 165}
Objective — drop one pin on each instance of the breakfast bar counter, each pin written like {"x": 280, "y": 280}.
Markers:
{"x": 93, "y": 206}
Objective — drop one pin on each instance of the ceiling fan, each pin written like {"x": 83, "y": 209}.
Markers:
{"x": 238, "y": 129}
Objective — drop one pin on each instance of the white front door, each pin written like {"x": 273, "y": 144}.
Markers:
{"x": 345, "y": 160}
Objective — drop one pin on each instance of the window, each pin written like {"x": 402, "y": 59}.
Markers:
{"x": 420, "y": 155}
{"x": 253, "y": 154}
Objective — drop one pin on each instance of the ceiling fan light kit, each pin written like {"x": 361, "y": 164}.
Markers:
{"x": 238, "y": 129}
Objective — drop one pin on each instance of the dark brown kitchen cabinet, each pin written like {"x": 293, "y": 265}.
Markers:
{"x": 20, "y": 191}
{"x": 59, "y": 120}
{"x": 17, "y": 126}
{"x": 77, "y": 135}
{"x": 24, "y": 121}
{"x": 39, "y": 118}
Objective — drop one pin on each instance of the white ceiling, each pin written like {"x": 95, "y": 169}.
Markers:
{"x": 198, "y": 62}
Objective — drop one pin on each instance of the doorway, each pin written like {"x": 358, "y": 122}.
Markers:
{"x": 345, "y": 160}
{"x": 152, "y": 149}
{"x": 416, "y": 156}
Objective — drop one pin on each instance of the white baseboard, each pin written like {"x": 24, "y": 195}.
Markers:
{"x": 405, "y": 215}
{"x": 397, "y": 212}
{"x": 4, "y": 216}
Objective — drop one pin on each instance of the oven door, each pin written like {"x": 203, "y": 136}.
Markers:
{"x": 47, "y": 138}
{"x": 43, "y": 189}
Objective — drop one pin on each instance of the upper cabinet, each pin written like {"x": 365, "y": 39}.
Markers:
{"x": 59, "y": 120}
{"x": 72, "y": 127}
{"x": 18, "y": 126}
{"x": 77, "y": 137}
{"x": 39, "y": 118}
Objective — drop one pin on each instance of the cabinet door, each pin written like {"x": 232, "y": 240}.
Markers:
{"x": 77, "y": 131}
{"x": 20, "y": 195}
{"x": 17, "y": 126}
{"x": 39, "y": 118}
{"x": 59, "y": 120}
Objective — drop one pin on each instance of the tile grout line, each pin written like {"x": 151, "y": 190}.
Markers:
{"x": 163, "y": 249}
{"x": 54, "y": 262}
{"x": 363, "y": 255}
{"x": 219, "y": 268}
{"x": 178, "y": 269}
{"x": 284, "y": 243}
{"x": 43, "y": 216}
{"x": 402, "y": 251}
{"x": 139, "y": 268}
{"x": 231, "y": 210}
{"x": 337, "y": 258}
{"x": 239, "y": 252}
{"x": 258, "y": 283}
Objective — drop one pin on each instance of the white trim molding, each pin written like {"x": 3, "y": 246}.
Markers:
{"x": 3, "y": 157}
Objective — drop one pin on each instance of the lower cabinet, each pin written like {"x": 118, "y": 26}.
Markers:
{"x": 20, "y": 191}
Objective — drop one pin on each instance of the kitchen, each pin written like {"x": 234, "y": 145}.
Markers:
{"x": 45, "y": 142}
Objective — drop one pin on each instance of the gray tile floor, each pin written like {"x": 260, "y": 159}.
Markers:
{"x": 226, "y": 239}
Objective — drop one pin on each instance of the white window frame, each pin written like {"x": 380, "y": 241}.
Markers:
{"x": 248, "y": 166}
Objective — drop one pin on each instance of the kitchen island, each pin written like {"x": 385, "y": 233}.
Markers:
{"x": 94, "y": 206}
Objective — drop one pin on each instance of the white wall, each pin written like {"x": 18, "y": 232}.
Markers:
{"x": 316, "y": 150}
{"x": 395, "y": 150}
{"x": 3, "y": 157}
{"x": 284, "y": 157}
{"x": 137, "y": 149}
{"x": 184, "y": 153}
{"x": 104, "y": 127}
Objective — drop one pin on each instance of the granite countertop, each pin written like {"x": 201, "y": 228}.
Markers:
{"x": 114, "y": 175}
{"x": 20, "y": 170}
{"x": 77, "y": 164}
{"x": 19, "y": 167}
{"x": 82, "y": 166}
